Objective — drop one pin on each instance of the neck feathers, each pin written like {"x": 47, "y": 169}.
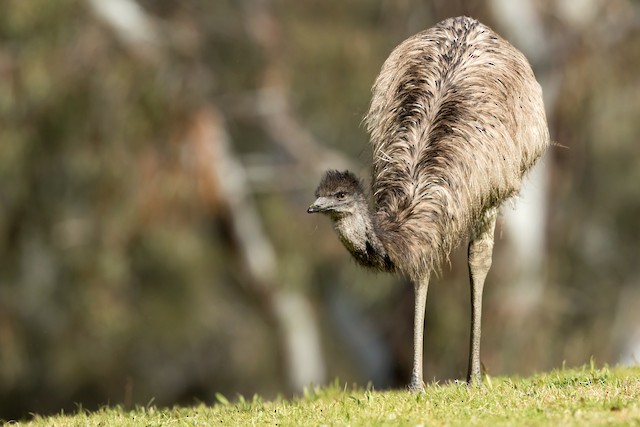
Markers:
{"x": 359, "y": 235}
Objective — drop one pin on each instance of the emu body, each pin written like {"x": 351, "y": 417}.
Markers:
{"x": 456, "y": 120}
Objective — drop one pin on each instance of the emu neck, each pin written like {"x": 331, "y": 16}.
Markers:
{"x": 358, "y": 234}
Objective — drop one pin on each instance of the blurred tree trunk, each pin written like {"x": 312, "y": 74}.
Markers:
{"x": 225, "y": 185}
{"x": 226, "y": 188}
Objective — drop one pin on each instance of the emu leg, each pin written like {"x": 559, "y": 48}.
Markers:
{"x": 480, "y": 253}
{"x": 420, "y": 288}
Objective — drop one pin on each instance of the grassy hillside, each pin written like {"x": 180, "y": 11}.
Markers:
{"x": 586, "y": 396}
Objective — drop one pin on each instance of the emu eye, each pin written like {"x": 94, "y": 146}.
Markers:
{"x": 341, "y": 195}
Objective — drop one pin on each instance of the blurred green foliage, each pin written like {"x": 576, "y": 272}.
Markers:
{"x": 118, "y": 278}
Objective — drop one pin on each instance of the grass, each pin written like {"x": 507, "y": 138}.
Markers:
{"x": 585, "y": 396}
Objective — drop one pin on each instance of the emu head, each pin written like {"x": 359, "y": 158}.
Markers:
{"x": 338, "y": 194}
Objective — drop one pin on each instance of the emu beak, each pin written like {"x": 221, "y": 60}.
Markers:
{"x": 321, "y": 204}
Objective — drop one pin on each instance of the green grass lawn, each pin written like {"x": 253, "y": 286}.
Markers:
{"x": 586, "y": 396}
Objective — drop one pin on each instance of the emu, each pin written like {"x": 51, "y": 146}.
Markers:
{"x": 455, "y": 122}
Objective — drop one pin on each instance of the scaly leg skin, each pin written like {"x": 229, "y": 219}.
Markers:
{"x": 480, "y": 253}
{"x": 420, "y": 288}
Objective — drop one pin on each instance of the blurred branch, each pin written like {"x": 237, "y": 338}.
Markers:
{"x": 130, "y": 23}
{"x": 273, "y": 103}
{"x": 227, "y": 182}
{"x": 226, "y": 189}
{"x": 225, "y": 185}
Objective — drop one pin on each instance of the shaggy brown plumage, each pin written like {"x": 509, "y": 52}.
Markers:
{"x": 456, "y": 120}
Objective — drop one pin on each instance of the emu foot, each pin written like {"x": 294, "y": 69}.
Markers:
{"x": 416, "y": 386}
{"x": 475, "y": 381}
{"x": 475, "y": 375}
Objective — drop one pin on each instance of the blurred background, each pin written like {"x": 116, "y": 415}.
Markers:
{"x": 157, "y": 159}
